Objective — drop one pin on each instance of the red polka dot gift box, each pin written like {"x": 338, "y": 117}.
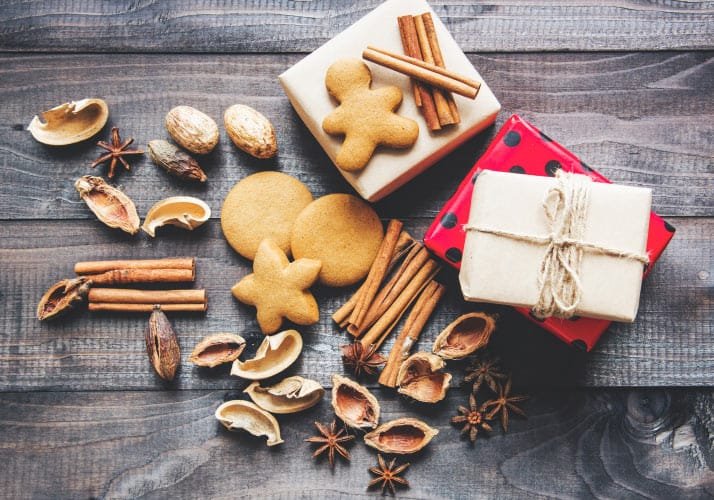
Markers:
{"x": 519, "y": 147}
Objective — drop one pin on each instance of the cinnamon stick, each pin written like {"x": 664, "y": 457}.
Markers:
{"x": 130, "y": 296}
{"x": 425, "y": 72}
{"x": 377, "y": 272}
{"x": 100, "y": 266}
{"x": 415, "y": 84}
{"x": 438, "y": 60}
{"x": 410, "y": 41}
{"x": 117, "y": 307}
{"x": 408, "y": 336}
{"x": 442, "y": 105}
{"x": 131, "y": 276}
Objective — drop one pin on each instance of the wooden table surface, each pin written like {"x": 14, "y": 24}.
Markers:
{"x": 627, "y": 85}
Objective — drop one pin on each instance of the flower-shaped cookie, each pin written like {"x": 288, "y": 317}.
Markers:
{"x": 278, "y": 288}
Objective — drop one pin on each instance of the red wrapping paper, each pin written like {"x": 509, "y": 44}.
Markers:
{"x": 521, "y": 148}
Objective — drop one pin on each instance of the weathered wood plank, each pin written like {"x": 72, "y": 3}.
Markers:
{"x": 284, "y": 26}
{"x": 641, "y": 118}
{"x": 670, "y": 344}
{"x": 575, "y": 444}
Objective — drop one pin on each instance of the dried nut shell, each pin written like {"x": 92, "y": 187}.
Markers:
{"x": 401, "y": 436}
{"x": 354, "y": 404}
{"x": 465, "y": 335}
{"x": 250, "y": 131}
{"x": 70, "y": 123}
{"x": 62, "y": 296}
{"x": 290, "y": 395}
{"x": 420, "y": 377}
{"x": 175, "y": 161}
{"x": 238, "y": 414}
{"x": 186, "y": 212}
{"x": 274, "y": 355}
{"x": 217, "y": 349}
{"x": 192, "y": 129}
{"x": 162, "y": 345}
{"x": 109, "y": 204}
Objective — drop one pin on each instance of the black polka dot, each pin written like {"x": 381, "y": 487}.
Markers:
{"x": 517, "y": 169}
{"x": 473, "y": 179}
{"x": 539, "y": 320}
{"x": 669, "y": 227}
{"x": 545, "y": 137}
{"x": 586, "y": 167}
{"x": 453, "y": 254}
{"x": 645, "y": 268}
{"x": 449, "y": 220}
{"x": 580, "y": 345}
{"x": 573, "y": 318}
{"x": 552, "y": 167}
{"x": 512, "y": 138}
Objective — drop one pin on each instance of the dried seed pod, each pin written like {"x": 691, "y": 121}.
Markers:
{"x": 162, "y": 345}
{"x": 465, "y": 335}
{"x": 274, "y": 355}
{"x": 354, "y": 404}
{"x": 175, "y": 161}
{"x": 420, "y": 377}
{"x": 109, "y": 204}
{"x": 401, "y": 436}
{"x": 217, "y": 349}
{"x": 185, "y": 212}
{"x": 290, "y": 395}
{"x": 62, "y": 296}
{"x": 192, "y": 129}
{"x": 70, "y": 123}
{"x": 238, "y": 414}
{"x": 250, "y": 131}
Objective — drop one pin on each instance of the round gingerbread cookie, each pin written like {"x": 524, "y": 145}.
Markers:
{"x": 260, "y": 206}
{"x": 342, "y": 232}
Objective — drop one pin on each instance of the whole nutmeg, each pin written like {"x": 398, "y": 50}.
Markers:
{"x": 192, "y": 129}
{"x": 250, "y": 131}
{"x": 162, "y": 345}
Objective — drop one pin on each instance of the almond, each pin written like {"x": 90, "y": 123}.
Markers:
{"x": 250, "y": 131}
{"x": 192, "y": 129}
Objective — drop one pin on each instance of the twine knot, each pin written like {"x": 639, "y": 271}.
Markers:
{"x": 566, "y": 209}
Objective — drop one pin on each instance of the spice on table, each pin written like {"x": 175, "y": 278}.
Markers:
{"x": 117, "y": 150}
{"x": 362, "y": 359}
{"x": 100, "y": 266}
{"x": 176, "y": 162}
{"x": 162, "y": 345}
{"x": 120, "y": 272}
{"x": 503, "y": 403}
{"x": 473, "y": 419}
{"x": 388, "y": 476}
{"x": 465, "y": 335}
{"x": 484, "y": 370}
{"x": 332, "y": 441}
{"x": 109, "y": 204}
{"x": 62, "y": 296}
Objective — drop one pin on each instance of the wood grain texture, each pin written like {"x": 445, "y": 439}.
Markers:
{"x": 640, "y": 118}
{"x": 575, "y": 444}
{"x": 669, "y": 344}
{"x": 286, "y": 26}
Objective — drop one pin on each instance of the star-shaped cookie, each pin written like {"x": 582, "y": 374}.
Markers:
{"x": 278, "y": 288}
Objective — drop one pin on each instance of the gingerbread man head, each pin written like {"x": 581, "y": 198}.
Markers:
{"x": 365, "y": 117}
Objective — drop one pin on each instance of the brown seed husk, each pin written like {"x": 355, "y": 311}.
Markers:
{"x": 401, "y": 436}
{"x": 354, "y": 404}
{"x": 175, "y": 161}
{"x": 62, "y": 296}
{"x": 162, "y": 345}
{"x": 109, "y": 204}
{"x": 420, "y": 377}
{"x": 244, "y": 415}
{"x": 290, "y": 395}
{"x": 465, "y": 335}
{"x": 217, "y": 349}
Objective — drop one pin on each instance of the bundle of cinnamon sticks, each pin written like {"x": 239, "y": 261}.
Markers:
{"x": 402, "y": 274}
{"x": 104, "y": 274}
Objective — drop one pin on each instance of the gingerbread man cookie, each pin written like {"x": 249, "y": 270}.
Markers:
{"x": 278, "y": 288}
{"x": 365, "y": 117}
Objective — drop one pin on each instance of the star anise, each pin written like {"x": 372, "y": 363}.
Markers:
{"x": 503, "y": 403}
{"x": 331, "y": 441}
{"x": 362, "y": 360}
{"x": 484, "y": 370}
{"x": 117, "y": 150}
{"x": 388, "y": 475}
{"x": 473, "y": 419}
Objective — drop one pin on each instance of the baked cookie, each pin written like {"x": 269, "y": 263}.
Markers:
{"x": 278, "y": 288}
{"x": 262, "y": 205}
{"x": 342, "y": 232}
{"x": 365, "y": 117}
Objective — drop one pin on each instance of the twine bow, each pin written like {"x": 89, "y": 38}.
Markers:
{"x": 566, "y": 208}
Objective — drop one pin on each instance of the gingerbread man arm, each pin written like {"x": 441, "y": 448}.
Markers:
{"x": 391, "y": 96}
